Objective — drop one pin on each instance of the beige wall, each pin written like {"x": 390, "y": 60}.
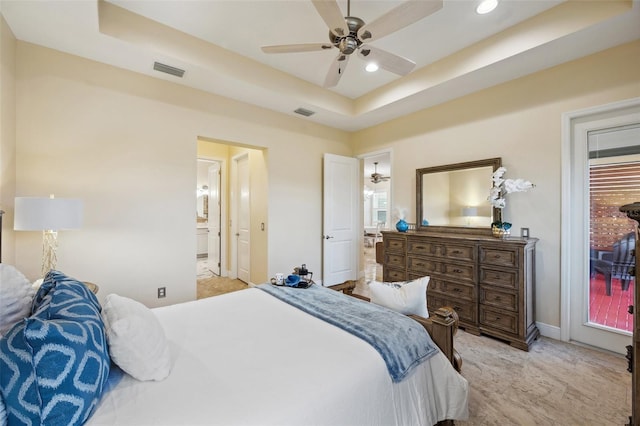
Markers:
{"x": 7, "y": 138}
{"x": 126, "y": 144}
{"x": 519, "y": 121}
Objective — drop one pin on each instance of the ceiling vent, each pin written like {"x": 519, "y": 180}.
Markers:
{"x": 305, "y": 112}
{"x": 168, "y": 69}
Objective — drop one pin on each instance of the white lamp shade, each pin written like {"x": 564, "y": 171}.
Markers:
{"x": 470, "y": 211}
{"x": 40, "y": 214}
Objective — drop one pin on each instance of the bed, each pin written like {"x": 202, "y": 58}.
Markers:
{"x": 249, "y": 358}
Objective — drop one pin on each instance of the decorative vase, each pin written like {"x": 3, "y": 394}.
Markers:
{"x": 500, "y": 232}
{"x": 402, "y": 226}
{"x": 501, "y": 229}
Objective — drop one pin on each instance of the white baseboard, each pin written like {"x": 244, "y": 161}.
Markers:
{"x": 550, "y": 331}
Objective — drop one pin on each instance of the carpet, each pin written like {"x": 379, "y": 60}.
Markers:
{"x": 214, "y": 286}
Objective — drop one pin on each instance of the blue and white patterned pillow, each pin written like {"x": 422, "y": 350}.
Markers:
{"x": 54, "y": 365}
{"x": 51, "y": 282}
{"x": 3, "y": 412}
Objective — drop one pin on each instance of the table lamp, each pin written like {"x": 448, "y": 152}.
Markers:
{"x": 48, "y": 215}
{"x": 468, "y": 213}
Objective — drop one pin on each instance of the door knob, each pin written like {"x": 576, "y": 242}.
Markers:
{"x": 326, "y": 237}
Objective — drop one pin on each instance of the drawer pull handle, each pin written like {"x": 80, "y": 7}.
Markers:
{"x": 497, "y": 318}
{"x": 457, "y": 271}
{"x": 497, "y": 256}
{"x": 456, "y": 290}
{"x": 419, "y": 264}
{"x": 498, "y": 298}
{"x": 420, "y": 247}
{"x": 456, "y": 252}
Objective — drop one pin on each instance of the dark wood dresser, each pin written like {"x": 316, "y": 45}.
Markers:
{"x": 633, "y": 350}
{"x": 489, "y": 281}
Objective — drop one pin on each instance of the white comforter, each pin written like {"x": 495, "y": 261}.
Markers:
{"x": 247, "y": 358}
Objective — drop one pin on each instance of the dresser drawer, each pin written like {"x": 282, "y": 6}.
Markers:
{"x": 460, "y": 252}
{"x": 499, "y": 256}
{"x": 506, "y": 279}
{"x": 422, "y": 266}
{"x": 394, "y": 260}
{"x": 420, "y": 246}
{"x": 459, "y": 271}
{"x": 465, "y": 310}
{"x": 392, "y": 275}
{"x": 499, "y": 320}
{"x": 441, "y": 249}
{"x": 452, "y": 271}
{"x": 499, "y": 299}
{"x": 450, "y": 289}
{"x": 394, "y": 244}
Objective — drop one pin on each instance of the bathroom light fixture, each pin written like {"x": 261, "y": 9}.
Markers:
{"x": 48, "y": 215}
{"x": 371, "y": 67}
{"x": 486, "y": 6}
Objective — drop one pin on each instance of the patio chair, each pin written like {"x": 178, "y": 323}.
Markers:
{"x": 617, "y": 263}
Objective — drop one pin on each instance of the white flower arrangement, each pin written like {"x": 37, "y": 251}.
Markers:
{"x": 400, "y": 213}
{"x": 502, "y": 187}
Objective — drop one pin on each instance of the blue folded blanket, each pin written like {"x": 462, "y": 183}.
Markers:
{"x": 401, "y": 341}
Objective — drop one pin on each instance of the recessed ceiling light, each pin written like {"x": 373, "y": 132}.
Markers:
{"x": 371, "y": 67}
{"x": 486, "y": 6}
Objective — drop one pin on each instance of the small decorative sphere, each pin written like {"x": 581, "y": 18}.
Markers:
{"x": 402, "y": 226}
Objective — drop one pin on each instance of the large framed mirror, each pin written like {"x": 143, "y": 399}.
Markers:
{"x": 455, "y": 196}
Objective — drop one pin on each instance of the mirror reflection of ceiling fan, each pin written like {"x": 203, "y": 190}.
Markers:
{"x": 377, "y": 177}
{"x": 350, "y": 34}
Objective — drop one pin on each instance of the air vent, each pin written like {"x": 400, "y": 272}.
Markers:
{"x": 305, "y": 112}
{"x": 168, "y": 69}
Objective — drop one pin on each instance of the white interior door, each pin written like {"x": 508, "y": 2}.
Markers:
{"x": 576, "y": 325}
{"x": 213, "y": 223}
{"x": 243, "y": 218}
{"x": 341, "y": 219}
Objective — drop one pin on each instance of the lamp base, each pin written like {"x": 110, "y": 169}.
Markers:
{"x": 49, "y": 248}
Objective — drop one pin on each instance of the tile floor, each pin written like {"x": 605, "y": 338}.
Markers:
{"x": 610, "y": 310}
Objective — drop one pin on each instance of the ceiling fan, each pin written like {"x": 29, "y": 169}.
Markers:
{"x": 377, "y": 177}
{"x": 350, "y": 34}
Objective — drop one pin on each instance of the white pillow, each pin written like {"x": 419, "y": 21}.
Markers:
{"x": 408, "y": 297}
{"x": 16, "y": 296}
{"x": 137, "y": 343}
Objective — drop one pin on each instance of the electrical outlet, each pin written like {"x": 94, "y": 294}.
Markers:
{"x": 162, "y": 292}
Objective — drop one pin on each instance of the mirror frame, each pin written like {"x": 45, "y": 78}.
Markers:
{"x": 497, "y": 213}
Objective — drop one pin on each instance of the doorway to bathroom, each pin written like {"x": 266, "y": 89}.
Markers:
{"x": 209, "y": 217}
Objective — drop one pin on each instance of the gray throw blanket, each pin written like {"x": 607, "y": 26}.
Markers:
{"x": 401, "y": 341}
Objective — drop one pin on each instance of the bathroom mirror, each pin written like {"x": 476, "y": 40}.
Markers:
{"x": 455, "y": 196}
{"x": 202, "y": 206}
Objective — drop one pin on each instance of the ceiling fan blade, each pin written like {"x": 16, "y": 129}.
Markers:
{"x": 330, "y": 12}
{"x": 294, "y": 48}
{"x": 386, "y": 60}
{"x": 336, "y": 70}
{"x": 397, "y": 18}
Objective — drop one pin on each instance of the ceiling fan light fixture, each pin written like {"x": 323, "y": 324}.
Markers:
{"x": 372, "y": 67}
{"x": 349, "y": 33}
{"x": 486, "y": 6}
